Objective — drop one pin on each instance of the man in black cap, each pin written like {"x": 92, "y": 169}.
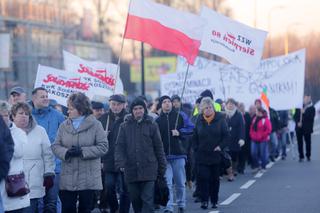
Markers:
{"x": 139, "y": 153}
{"x": 17, "y": 95}
{"x": 174, "y": 144}
{"x": 97, "y": 109}
{"x": 111, "y": 121}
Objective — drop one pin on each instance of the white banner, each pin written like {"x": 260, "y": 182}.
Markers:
{"x": 283, "y": 76}
{"x": 100, "y": 76}
{"x": 240, "y": 44}
{"x": 60, "y": 84}
{"x": 172, "y": 84}
{"x": 5, "y": 43}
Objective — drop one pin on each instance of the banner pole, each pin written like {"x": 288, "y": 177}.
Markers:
{"x": 118, "y": 66}
{"x": 182, "y": 93}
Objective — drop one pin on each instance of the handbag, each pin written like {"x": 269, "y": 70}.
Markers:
{"x": 161, "y": 192}
{"x": 16, "y": 185}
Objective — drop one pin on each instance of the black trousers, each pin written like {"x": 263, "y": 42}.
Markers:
{"x": 142, "y": 196}
{"x": 208, "y": 182}
{"x": 69, "y": 201}
{"x": 307, "y": 139}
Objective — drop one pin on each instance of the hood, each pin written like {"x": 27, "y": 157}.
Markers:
{"x": 129, "y": 118}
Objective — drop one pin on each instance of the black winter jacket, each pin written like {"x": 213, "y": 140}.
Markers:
{"x": 113, "y": 130}
{"x": 139, "y": 150}
{"x": 307, "y": 119}
{"x": 237, "y": 131}
{"x": 6, "y": 149}
{"x": 207, "y": 137}
{"x": 173, "y": 145}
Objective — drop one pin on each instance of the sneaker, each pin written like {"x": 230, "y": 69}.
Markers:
{"x": 197, "y": 200}
{"x": 180, "y": 210}
{"x": 283, "y": 157}
{"x": 308, "y": 159}
{"x": 214, "y": 206}
{"x": 204, "y": 205}
{"x": 301, "y": 160}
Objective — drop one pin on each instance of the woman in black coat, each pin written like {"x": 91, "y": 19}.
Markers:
{"x": 210, "y": 136}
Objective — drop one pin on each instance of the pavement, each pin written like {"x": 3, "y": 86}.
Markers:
{"x": 287, "y": 186}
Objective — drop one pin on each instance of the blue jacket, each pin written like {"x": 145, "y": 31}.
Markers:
{"x": 50, "y": 119}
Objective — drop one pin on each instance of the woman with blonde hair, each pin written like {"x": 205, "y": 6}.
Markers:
{"x": 210, "y": 136}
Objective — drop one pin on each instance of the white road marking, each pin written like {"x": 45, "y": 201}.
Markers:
{"x": 247, "y": 184}
{"x": 214, "y": 212}
{"x": 259, "y": 175}
{"x": 269, "y": 165}
{"x": 230, "y": 199}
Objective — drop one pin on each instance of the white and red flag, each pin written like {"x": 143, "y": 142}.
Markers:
{"x": 165, "y": 28}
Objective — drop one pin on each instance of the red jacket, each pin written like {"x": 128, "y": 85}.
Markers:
{"x": 263, "y": 130}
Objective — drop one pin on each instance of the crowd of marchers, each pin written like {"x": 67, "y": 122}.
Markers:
{"x": 112, "y": 155}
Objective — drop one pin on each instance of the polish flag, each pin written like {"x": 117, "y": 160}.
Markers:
{"x": 165, "y": 28}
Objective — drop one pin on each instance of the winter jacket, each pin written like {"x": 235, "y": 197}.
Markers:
{"x": 38, "y": 159}
{"x": 263, "y": 130}
{"x": 207, "y": 137}
{"x": 20, "y": 139}
{"x": 283, "y": 118}
{"x": 274, "y": 119}
{"x": 50, "y": 119}
{"x": 237, "y": 131}
{"x": 113, "y": 130}
{"x": 81, "y": 173}
{"x": 307, "y": 119}
{"x": 139, "y": 150}
{"x": 173, "y": 145}
{"x": 6, "y": 149}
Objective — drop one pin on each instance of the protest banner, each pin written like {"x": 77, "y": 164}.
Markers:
{"x": 60, "y": 84}
{"x": 240, "y": 44}
{"x": 99, "y": 75}
{"x": 172, "y": 84}
{"x": 154, "y": 67}
{"x": 283, "y": 78}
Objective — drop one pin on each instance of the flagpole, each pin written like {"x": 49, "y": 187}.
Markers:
{"x": 118, "y": 66}
{"x": 223, "y": 87}
{"x": 182, "y": 93}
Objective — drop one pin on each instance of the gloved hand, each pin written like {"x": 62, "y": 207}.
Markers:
{"x": 241, "y": 142}
{"x": 74, "y": 151}
{"x": 48, "y": 181}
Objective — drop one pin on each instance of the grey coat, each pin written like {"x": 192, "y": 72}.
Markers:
{"x": 139, "y": 150}
{"x": 81, "y": 173}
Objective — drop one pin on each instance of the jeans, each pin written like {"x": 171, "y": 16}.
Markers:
{"x": 51, "y": 202}
{"x": 34, "y": 206}
{"x": 208, "y": 181}
{"x": 259, "y": 153}
{"x": 307, "y": 139}
{"x": 142, "y": 196}
{"x": 69, "y": 201}
{"x": 273, "y": 145}
{"x": 176, "y": 171}
{"x": 111, "y": 181}
{"x": 282, "y": 147}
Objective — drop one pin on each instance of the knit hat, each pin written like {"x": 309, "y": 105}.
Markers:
{"x": 161, "y": 99}
{"x": 175, "y": 97}
{"x": 207, "y": 93}
{"x": 138, "y": 102}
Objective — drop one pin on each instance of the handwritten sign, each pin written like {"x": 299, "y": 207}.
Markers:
{"x": 172, "y": 84}
{"x": 60, "y": 84}
{"x": 240, "y": 44}
{"x": 283, "y": 76}
{"x": 99, "y": 75}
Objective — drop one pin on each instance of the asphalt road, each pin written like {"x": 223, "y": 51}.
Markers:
{"x": 287, "y": 186}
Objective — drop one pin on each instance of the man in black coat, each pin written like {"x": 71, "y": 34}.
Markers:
{"x": 6, "y": 152}
{"x": 113, "y": 119}
{"x": 304, "y": 119}
{"x": 175, "y": 146}
{"x": 139, "y": 153}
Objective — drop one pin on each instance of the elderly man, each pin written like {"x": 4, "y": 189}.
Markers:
{"x": 17, "y": 94}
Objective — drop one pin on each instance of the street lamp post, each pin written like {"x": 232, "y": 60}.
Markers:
{"x": 280, "y": 7}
